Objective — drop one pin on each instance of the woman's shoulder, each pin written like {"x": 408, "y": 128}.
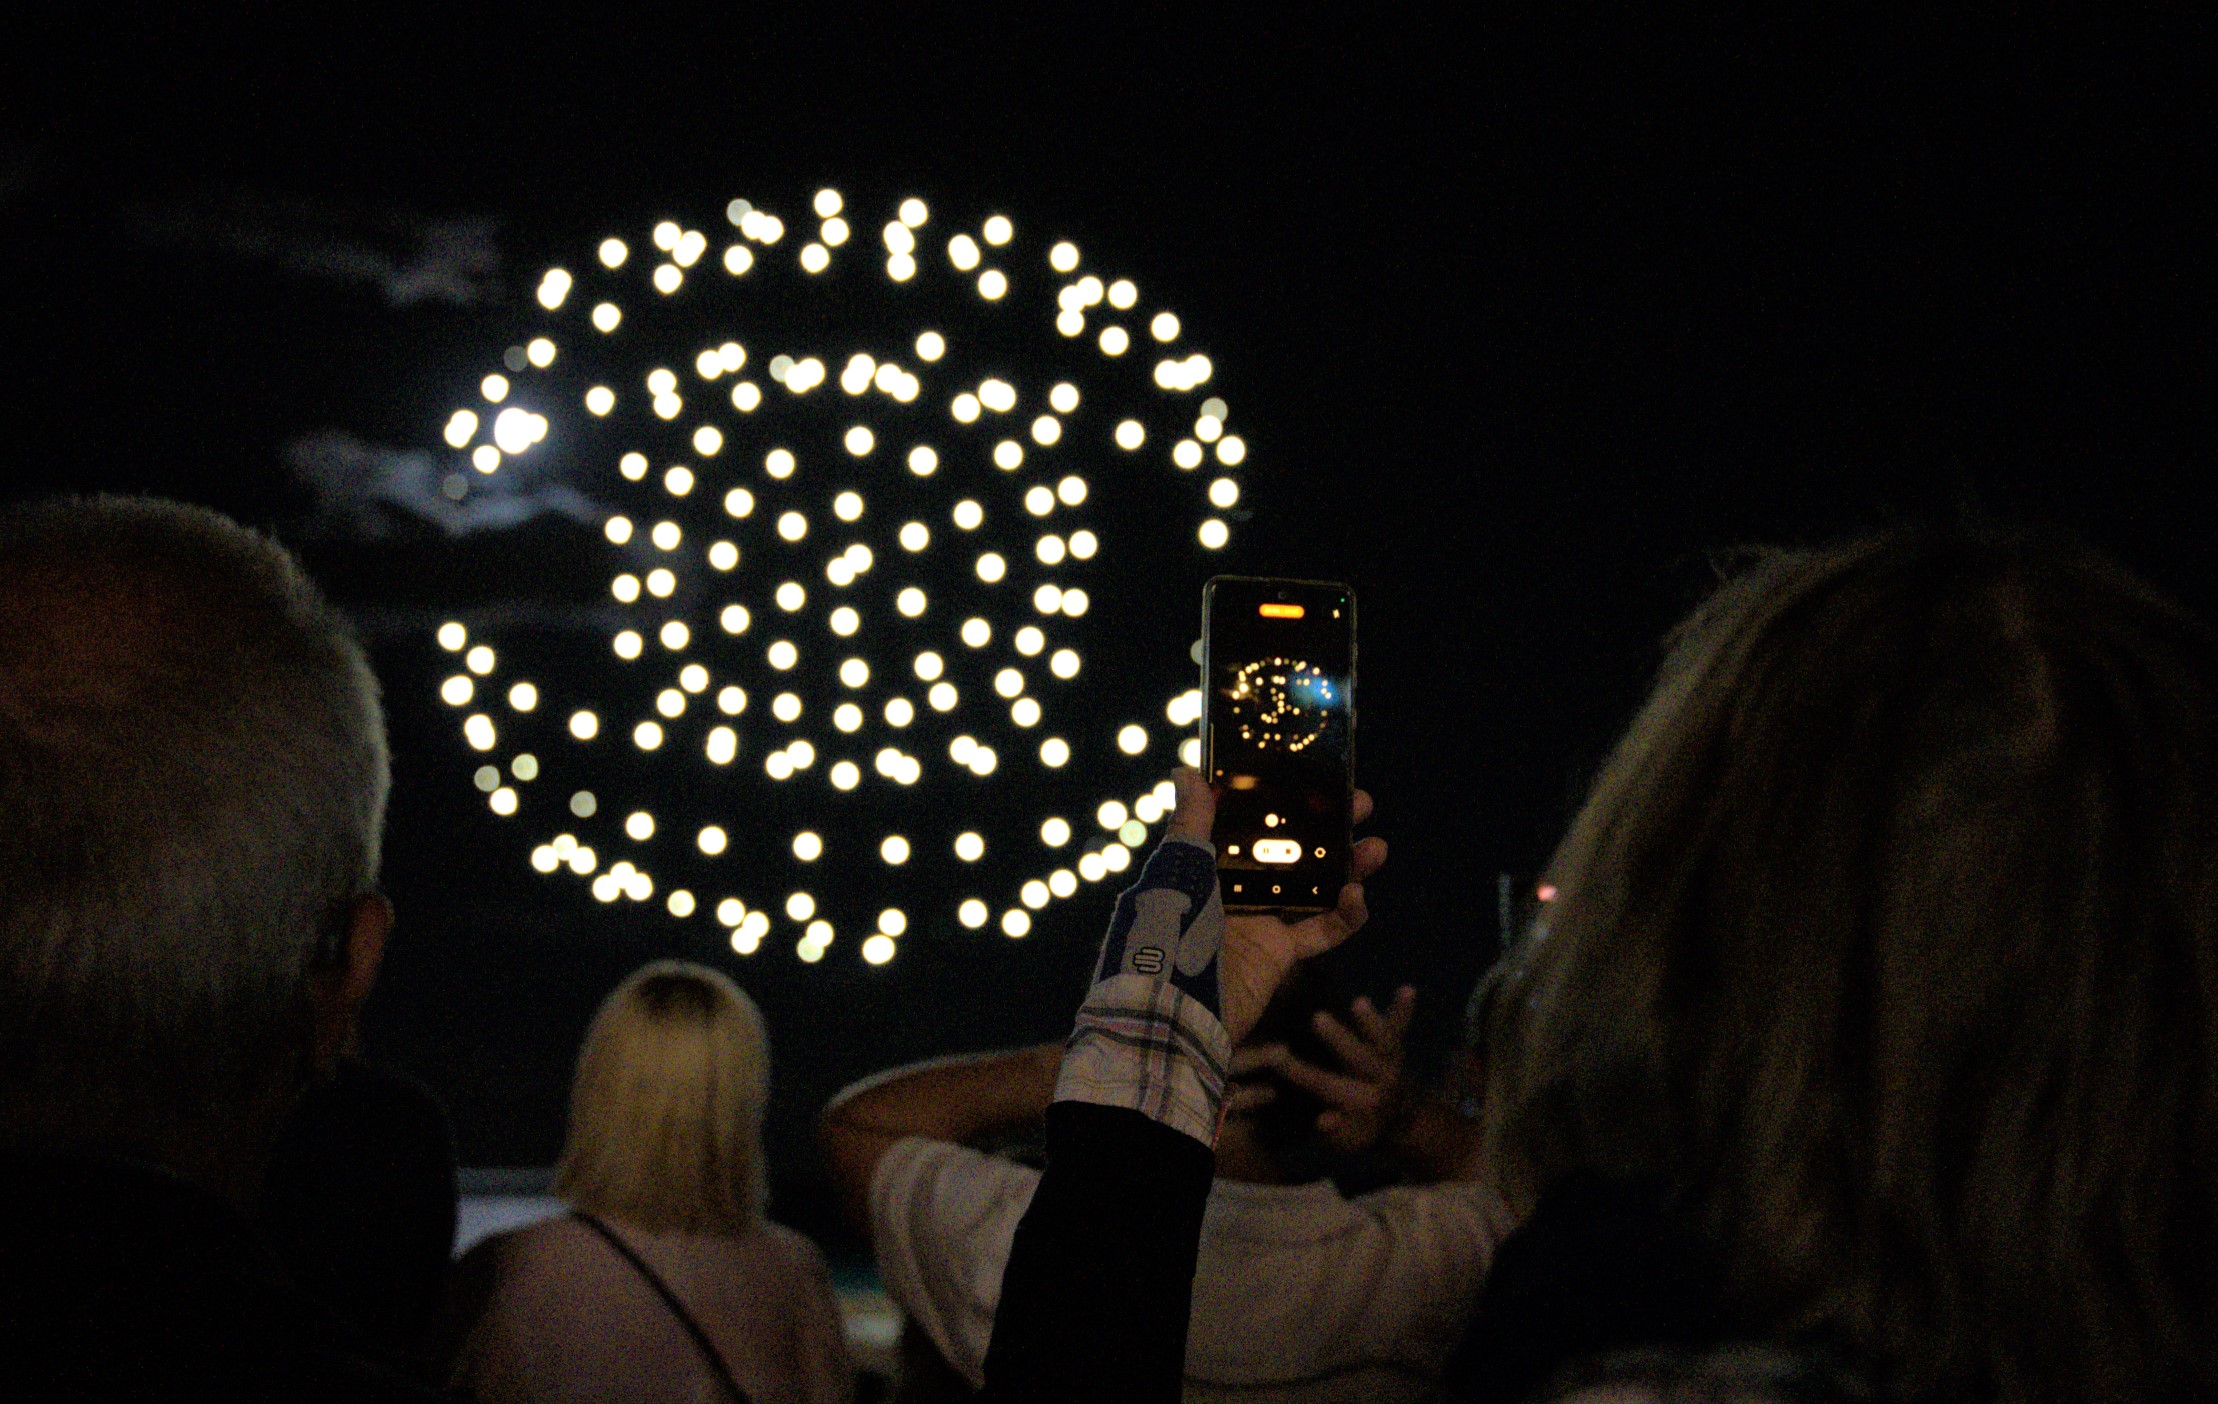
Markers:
{"x": 519, "y": 1250}
{"x": 499, "y": 1274}
{"x": 557, "y": 1240}
{"x": 788, "y": 1245}
{"x": 765, "y": 1244}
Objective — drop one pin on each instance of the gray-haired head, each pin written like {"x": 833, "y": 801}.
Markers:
{"x": 193, "y": 776}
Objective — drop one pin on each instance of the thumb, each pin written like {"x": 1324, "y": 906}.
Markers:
{"x": 1196, "y": 811}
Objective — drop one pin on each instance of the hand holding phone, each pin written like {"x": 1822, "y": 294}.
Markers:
{"x": 1278, "y": 739}
{"x": 1261, "y": 947}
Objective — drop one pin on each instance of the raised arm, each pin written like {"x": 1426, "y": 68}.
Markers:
{"x": 1095, "y": 1300}
{"x": 954, "y": 1099}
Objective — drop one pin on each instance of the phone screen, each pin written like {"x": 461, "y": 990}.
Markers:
{"x": 1278, "y": 662}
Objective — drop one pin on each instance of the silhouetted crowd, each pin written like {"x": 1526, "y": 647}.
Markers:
{"x": 1868, "y": 1050}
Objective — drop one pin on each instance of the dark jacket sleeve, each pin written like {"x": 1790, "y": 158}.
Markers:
{"x": 1095, "y": 1299}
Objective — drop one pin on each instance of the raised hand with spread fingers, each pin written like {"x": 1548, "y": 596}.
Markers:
{"x": 1366, "y": 1097}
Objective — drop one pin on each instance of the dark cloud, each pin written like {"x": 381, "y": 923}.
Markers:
{"x": 409, "y": 258}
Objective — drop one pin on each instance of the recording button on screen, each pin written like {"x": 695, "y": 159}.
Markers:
{"x": 1273, "y": 850}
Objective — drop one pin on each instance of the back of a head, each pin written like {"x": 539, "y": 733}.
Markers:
{"x": 1284, "y": 1129}
{"x": 666, "y": 1111}
{"x": 192, "y": 784}
{"x": 1888, "y": 936}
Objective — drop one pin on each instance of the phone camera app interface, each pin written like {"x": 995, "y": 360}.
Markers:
{"x": 1281, "y": 660}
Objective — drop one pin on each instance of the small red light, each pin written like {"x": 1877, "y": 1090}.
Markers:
{"x": 1546, "y": 892}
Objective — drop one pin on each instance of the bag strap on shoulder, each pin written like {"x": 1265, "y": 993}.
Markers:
{"x": 700, "y": 1337}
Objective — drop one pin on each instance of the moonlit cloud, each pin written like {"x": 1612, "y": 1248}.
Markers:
{"x": 366, "y": 491}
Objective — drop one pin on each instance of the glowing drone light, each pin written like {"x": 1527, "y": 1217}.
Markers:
{"x": 918, "y": 531}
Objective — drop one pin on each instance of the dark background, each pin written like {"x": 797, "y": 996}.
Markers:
{"x": 1528, "y": 320}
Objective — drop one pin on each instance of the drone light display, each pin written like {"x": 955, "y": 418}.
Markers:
{"x": 856, "y": 569}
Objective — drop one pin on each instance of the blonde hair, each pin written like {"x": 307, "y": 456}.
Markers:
{"x": 1494, "y": 1039}
{"x": 666, "y": 1111}
{"x": 1888, "y": 938}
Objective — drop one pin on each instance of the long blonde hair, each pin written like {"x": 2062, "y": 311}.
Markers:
{"x": 666, "y": 1111}
{"x": 1889, "y": 936}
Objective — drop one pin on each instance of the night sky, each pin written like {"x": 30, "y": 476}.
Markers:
{"x": 1528, "y": 326}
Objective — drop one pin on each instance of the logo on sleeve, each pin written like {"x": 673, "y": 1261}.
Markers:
{"x": 1148, "y": 960}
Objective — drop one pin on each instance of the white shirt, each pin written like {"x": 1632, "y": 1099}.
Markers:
{"x": 1299, "y": 1294}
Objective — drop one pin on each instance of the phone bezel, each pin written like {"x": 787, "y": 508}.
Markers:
{"x": 1208, "y": 739}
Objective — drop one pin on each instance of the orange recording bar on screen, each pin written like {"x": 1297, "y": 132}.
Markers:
{"x": 1280, "y": 611}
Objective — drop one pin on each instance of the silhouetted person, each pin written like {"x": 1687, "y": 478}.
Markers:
{"x": 192, "y": 787}
{"x": 1877, "y": 1014}
{"x": 360, "y": 1204}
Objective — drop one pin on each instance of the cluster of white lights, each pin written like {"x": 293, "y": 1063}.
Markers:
{"x": 789, "y": 520}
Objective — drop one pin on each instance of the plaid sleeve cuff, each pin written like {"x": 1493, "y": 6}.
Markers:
{"x": 1148, "y": 1046}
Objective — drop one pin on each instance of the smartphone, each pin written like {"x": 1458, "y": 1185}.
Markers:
{"x": 1278, "y": 739}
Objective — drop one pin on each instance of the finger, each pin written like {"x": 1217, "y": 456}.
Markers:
{"x": 1346, "y": 1093}
{"x": 1369, "y": 856}
{"x": 1247, "y": 1096}
{"x": 1196, "y": 811}
{"x": 1362, "y": 810}
{"x": 1402, "y": 1013}
{"x": 1248, "y": 1061}
{"x": 1355, "y": 1055}
{"x": 1366, "y": 1016}
{"x": 1321, "y": 933}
